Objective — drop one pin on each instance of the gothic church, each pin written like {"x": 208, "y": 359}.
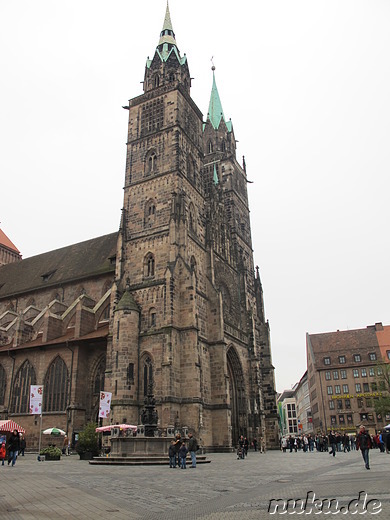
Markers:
{"x": 171, "y": 301}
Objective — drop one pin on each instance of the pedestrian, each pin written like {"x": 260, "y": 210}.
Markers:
{"x": 364, "y": 443}
{"x": 241, "y": 448}
{"x": 177, "y": 448}
{"x": 246, "y": 446}
{"x": 262, "y": 445}
{"x": 332, "y": 444}
{"x": 182, "y": 455}
{"x": 284, "y": 444}
{"x": 22, "y": 445}
{"x": 192, "y": 447}
{"x": 13, "y": 447}
{"x": 254, "y": 442}
{"x": 2, "y": 453}
{"x": 172, "y": 455}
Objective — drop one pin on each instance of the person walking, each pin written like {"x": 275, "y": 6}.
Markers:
{"x": 192, "y": 447}
{"x": 364, "y": 444}
{"x": 3, "y": 453}
{"x": 177, "y": 448}
{"x": 22, "y": 445}
{"x": 13, "y": 447}
{"x": 332, "y": 444}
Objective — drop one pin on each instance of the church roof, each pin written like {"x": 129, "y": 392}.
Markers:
{"x": 6, "y": 242}
{"x": 215, "y": 113}
{"x": 78, "y": 261}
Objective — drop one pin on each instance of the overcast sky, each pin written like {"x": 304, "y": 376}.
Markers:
{"x": 306, "y": 84}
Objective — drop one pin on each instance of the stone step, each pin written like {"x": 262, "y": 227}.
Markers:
{"x": 156, "y": 460}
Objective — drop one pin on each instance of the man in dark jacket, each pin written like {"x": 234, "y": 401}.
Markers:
{"x": 13, "y": 447}
{"x": 192, "y": 447}
{"x": 363, "y": 443}
{"x": 332, "y": 444}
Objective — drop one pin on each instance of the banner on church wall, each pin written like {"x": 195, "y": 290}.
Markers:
{"x": 36, "y": 394}
{"x": 105, "y": 404}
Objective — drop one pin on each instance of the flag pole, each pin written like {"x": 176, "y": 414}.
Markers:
{"x": 40, "y": 434}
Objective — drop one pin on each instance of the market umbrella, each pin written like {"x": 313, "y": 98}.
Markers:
{"x": 10, "y": 426}
{"x": 53, "y": 431}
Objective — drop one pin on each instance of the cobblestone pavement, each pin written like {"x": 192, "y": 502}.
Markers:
{"x": 225, "y": 489}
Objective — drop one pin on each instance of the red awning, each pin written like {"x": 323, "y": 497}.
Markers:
{"x": 10, "y": 426}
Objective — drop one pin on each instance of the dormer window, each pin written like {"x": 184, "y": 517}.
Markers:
{"x": 46, "y": 277}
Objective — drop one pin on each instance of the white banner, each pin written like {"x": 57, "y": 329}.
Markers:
{"x": 105, "y": 404}
{"x": 36, "y": 394}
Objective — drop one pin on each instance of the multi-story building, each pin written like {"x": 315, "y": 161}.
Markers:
{"x": 344, "y": 379}
{"x": 302, "y": 399}
{"x": 171, "y": 303}
{"x": 288, "y": 422}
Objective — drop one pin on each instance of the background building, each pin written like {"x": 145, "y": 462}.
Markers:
{"x": 303, "y": 407}
{"x": 170, "y": 304}
{"x": 344, "y": 378}
{"x": 288, "y": 413}
{"x": 8, "y": 252}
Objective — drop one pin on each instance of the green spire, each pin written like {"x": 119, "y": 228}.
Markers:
{"x": 167, "y": 35}
{"x": 167, "y": 42}
{"x": 215, "y": 112}
{"x": 127, "y": 302}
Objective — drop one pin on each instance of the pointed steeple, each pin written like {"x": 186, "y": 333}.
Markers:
{"x": 215, "y": 113}
{"x": 167, "y": 35}
{"x": 167, "y": 42}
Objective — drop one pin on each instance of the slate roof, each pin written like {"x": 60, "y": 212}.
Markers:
{"x": 64, "y": 265}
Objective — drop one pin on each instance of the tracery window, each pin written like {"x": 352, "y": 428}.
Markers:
{"x": 151, "y": 164}
{"x": 148, "y": 374}
{"x": 152, "y": 116}
{"x": 150, "y": 213}
{"x": 149, "y": 265}
{"x": 24, "y": 378}
{"x": 55, "y": 390}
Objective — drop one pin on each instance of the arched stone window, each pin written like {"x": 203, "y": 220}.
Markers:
{"x": 98, "y": 378}
{"x": 193, "y": 264}
{"x": 149, "y": 265}
{"x": 152, "y": 317}
{"x": 55, "y": 390}
{"x": 151, "y": 163}
{"x": 150, "y": 213}
{"x": 3, "y": 385}
{"x": 147, "y": 374}
{"x": 192, "y": 218}
{"x": 24, "y": 378}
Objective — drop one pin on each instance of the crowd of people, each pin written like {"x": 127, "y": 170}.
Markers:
{"x": 15, "y": 446}
{"x": 178, "y": 452}
{"x": 333, "y": 442}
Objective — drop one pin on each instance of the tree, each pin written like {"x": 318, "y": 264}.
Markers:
{"x": 382, "y": 404}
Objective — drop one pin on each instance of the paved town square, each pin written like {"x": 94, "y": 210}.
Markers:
{"x": 226, "y": 488}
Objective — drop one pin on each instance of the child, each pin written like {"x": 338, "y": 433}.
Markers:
{"x": 182, "y": 455}
{"x": 172, "y": 455}
{"x": 2, "y": 453}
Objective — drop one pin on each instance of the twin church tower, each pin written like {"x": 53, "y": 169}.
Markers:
{"x": 170, "y": 304}
{"x": 188, "y": 310}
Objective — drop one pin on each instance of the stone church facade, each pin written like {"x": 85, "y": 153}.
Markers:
{"x": 171, "y": 302}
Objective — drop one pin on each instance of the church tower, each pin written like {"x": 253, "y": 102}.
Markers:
{"x": 187, "y": 309}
